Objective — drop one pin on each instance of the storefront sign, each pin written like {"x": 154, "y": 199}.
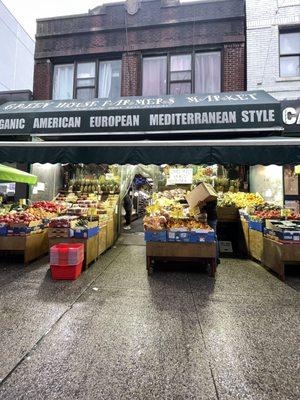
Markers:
{"x": 291, "y": 116}
{"x": 223, "y": 111}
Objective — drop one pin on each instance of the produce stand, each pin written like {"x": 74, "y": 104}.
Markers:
{"x": 32, "y": 246}
{"x": 256, "y": 244}
{"x": 276, "y": 255}
{"x": 197, "y": 252}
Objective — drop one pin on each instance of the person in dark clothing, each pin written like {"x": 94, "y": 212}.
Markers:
{"x": 210, "y": 208}
{"x": 127, "y": 203}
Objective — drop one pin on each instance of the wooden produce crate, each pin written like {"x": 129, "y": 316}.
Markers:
{"x": 32, "y": 246}
{"x": 110, "y": 232}
{"x": 276, "y": 255}
{"x": 102, "y": 239}
{"x": 90, "y": 247}
{"x": 31, "y": 224}
{"x": 181, "y": 252}
{"x": 59, "y": 232}
{"x": 91, "y": 224}
{"x": 256, "y": 244}
{"x": 115, "y": 218}
{"x": 228, "y": 214}
{"x": 245, "y": 229}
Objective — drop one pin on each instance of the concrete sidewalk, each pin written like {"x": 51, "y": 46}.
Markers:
{"x": 116, "y": 333}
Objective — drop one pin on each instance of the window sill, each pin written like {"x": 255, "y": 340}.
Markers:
{"x": 289, "y": 79}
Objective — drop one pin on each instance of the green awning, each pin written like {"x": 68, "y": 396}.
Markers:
{"x": 9, "y": 174}
{"x": 265, "y": 151}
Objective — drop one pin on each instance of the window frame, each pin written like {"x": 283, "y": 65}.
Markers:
{"x": 76, "y": 87}
{"x": 192, "y": 52}
{"x": 75, "y": 68}
{"x": 169, "y": 72}
{"x": 282, "y": 31}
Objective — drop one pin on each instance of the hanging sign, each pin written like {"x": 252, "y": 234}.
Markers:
{"x": 244, "y": 111}
{"x": 181, "y": 175}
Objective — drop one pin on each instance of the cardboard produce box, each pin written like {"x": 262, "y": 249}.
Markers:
{"x": 59, "y": 232}
{"x": 202, "y": 193}
{"x": 228, "y": 213}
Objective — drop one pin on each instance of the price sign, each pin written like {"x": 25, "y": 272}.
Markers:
{"x": 181, "y": 175}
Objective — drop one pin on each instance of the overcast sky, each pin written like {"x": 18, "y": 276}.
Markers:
{"x": 27, "y": 11}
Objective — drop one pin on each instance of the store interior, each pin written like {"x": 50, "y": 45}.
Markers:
{"x": 68, "y": 201}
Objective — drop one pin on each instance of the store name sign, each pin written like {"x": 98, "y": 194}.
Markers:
{"x": 242, "y": 111}
{"x": 130, "y": 102}
{"x": 291, "y": 116}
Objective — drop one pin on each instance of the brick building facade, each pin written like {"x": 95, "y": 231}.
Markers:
{"x": 273, "y": 38}
{"x": 158, "y": 27}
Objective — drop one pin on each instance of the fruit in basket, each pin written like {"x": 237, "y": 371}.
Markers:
{"x": 14, "y": 217}
{"x": 48, "y": 206}
{"x": 240, "y": 200}
{"x": 187, "y": 224}
{"x": 155, "y": 223}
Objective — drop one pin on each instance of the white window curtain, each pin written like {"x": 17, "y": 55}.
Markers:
{"x": 63, "y": 82}
{"x": 154, "y": 76}
{"x": 208, "y": 72}
{"x": 181, "y": 62}
{"x": 105, "y": 79}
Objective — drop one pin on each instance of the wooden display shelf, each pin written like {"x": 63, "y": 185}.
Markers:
{"x": 102, "y": 245}
{"x": 245, "y": 229}
{"x": 256, "y": 243}
{"x": 181, "y": 252}
{"x": 277, "y": 254}
{"x": 91, "y": 247}
{"x": 32, "y": 246}
{"x": 110, "y": 233}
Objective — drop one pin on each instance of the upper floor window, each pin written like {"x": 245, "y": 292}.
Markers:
{"x": 109, "y": 78}
{"x": 154, "y": 76}
{"x": 208, "y": 72}
{"x": 87, "y": 80}
{"x": 182, "y": 74}
{"x": 290, "y": 54}
{"x": 63, "y": 76}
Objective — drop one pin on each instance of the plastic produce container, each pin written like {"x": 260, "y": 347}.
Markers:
{"x": 67, "y": 254}
{"x": 66, "y": 272}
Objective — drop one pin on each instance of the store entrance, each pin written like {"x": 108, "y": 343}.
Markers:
{"x": 135, "y": 204}
{"x": 142, "y": 204}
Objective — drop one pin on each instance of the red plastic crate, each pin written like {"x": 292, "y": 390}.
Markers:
{"x": 66, "y": 272}
{"x": 66, "y": 254}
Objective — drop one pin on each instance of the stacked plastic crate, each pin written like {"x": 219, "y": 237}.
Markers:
{"x": 66, "y": 261}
